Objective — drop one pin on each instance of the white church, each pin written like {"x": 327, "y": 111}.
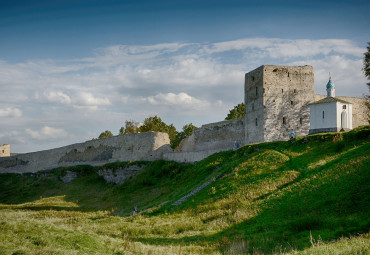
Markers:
{"x": 330, "y": 114}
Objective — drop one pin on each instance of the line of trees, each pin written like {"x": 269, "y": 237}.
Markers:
{"x": 154, "y": 124}
{"x": 366, "y": 69}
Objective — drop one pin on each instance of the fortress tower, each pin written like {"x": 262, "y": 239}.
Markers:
{"x": 277, "y": 101}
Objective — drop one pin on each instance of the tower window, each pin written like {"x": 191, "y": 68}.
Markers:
{"x": 295, "y": 91}
{"x": 252, "y": 78}
{"x": 256, "y": 122}
{"x": 300, "y": 120}
{"x": 282, "y": 91}
{"x": 344, "y": 107}
{"x": 323, "y": 115}
{"x": 284, "y": 120}
{"x": 291, "y": 102}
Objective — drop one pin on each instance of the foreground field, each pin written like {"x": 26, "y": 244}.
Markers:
{"x": 310, "y": 197}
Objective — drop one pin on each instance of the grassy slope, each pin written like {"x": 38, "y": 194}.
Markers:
{"x": 271, "y": 198}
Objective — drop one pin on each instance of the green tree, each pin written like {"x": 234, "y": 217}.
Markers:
{"x": 156, "y": 124}
{"x": 187, "y": 130}
{"x": 366, "y": 69}
{"x": 131, "y": 126}
{"x": 105, "y": 134}
{"x": 237, "y": 112}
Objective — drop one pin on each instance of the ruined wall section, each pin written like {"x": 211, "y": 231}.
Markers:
{"x": 359, "y": 109}
{"x": 221, "y": 135}
{"x": 287, "y": 93}
{"x": 131, "y": 147}
{"x": 209, "y": 139}
{"x": 5, "y": 150}
{"x": 254, "y": 110}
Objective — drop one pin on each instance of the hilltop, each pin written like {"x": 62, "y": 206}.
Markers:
{"x": 309, "y": 197}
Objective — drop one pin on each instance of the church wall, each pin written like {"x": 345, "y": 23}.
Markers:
{"x": 323, "y": 117}
{"x": 359, "y": 109}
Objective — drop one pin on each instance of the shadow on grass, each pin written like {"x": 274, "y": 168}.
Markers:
{"x": 40, "y": 208}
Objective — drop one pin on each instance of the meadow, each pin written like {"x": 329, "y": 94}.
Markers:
{"x": 307, "y": 197}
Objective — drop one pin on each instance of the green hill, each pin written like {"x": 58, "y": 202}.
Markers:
{"x": 310, "y": 197}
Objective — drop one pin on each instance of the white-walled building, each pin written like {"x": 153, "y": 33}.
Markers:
{"x": 330, "y": 114}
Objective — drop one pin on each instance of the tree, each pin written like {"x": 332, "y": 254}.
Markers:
{"x": 237, "y": 112}
{"x": 154, "y": 124}
{"x": 187, "y": 130}
{"x": 105, "y": 134}
{"x": 366, "y": 69}
{"x": 131, "y": 126}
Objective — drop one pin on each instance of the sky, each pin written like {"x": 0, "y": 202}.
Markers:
{"x": 70, "y": 70}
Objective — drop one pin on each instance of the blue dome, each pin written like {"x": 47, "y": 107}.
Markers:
{"x": 330, "y": 85}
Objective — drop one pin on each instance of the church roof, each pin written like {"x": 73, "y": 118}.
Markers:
{"x": 330, "y": 100}
{"x": 330, "y": 84}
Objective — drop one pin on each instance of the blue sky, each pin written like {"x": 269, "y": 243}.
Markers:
{"x": 72, "y": 69}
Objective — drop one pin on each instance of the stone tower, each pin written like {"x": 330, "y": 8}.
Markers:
{"x": 277, "y": 101}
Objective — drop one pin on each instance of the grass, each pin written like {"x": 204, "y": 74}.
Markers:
{"x": 310, "y": 197}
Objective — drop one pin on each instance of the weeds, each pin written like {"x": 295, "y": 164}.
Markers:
{"x": 269, "y": 198}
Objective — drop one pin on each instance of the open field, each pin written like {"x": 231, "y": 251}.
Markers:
{"x": 310, "y": 197}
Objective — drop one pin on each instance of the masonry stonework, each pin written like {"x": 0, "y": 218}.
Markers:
{"x": 5, "y": 150}
{"x": 131, "y": 147}
{"x": 277, "y": 101}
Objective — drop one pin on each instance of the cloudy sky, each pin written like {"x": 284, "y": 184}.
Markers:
{"x": 72, "y": 69}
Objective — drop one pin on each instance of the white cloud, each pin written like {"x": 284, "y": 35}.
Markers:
{"x": 10, "y": 112}
{"x": 285, "y": 48}
{"x": 180, "y": 100}
{"x": 47, "y": 133}
{"x": 88, "y": 99}
{"x": 58, "y": 97}
{"x": 123, "y": 82}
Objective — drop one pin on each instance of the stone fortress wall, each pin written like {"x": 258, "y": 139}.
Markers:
{"x": 209, "y": 139}
{"x": 131, "y": 147}
{"x": 276, "y": 101}
{"x": 5, "y": 150}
